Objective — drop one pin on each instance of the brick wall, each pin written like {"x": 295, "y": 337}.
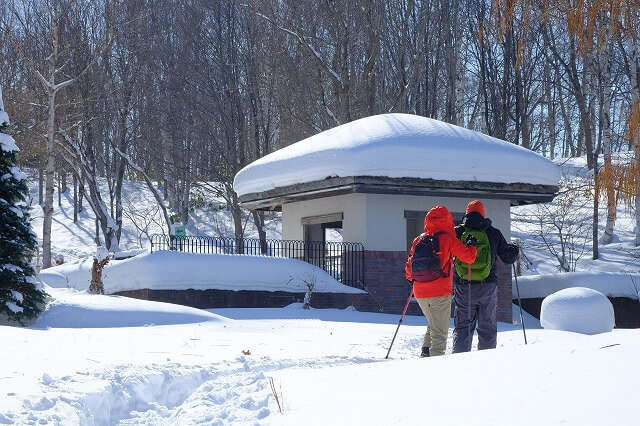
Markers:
{"x": 388, "y": 288}
{"x": 504, "y": 313}
{"x": 211, "y": 299}
{"x": 385, "y": 281}
{"x": 384, "y": 278}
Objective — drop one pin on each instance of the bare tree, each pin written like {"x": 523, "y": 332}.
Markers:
{"x": 48, "y": 22}
{"x": 562, "y": 228}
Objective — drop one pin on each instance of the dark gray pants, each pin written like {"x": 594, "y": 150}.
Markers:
{"x": 478, "y": 307}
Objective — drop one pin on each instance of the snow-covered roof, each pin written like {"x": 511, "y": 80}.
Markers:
{"x": 397, "y": 146}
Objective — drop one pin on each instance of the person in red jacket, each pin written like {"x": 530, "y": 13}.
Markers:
{"x": 434, "y": 297}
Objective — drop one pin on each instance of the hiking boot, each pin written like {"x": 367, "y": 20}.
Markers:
{"x": 425, "y": 352}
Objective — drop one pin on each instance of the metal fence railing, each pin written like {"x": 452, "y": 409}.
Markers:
{"x": 343, "y": 261}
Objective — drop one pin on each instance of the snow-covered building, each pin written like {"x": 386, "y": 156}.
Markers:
{"x": 375, "y": 179}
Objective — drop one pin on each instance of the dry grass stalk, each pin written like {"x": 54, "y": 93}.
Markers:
{"x": 275, "y": 393}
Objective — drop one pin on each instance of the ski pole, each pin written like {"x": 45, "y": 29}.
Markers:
{"x": 406, "y": 306}
{"x": 469, "y": 333}
{"x": 519, "y": 303}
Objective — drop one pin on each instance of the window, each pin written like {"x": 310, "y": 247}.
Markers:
{"x": 415, "y": 223}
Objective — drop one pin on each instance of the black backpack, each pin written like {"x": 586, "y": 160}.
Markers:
{"x": 425, "y": 262}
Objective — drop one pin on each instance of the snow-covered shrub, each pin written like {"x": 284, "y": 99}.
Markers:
{"x": 100, "y": 260}
{"x": 577, "y": 309}
{"x": 310, "y": 283}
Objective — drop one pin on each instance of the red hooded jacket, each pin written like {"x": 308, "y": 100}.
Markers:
{"x": 439, "y": 219}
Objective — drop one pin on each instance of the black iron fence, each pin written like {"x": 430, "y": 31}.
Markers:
{"x": 343, "y": 261}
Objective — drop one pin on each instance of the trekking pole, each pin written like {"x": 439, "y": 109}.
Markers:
{"x": 469, "y": 333}
{"x": 519, "y": 303}
{"x": 406, "y": 306}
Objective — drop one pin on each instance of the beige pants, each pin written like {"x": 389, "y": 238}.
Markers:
{"x": 438, "y": 313}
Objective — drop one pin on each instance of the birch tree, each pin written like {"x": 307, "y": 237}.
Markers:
{"x": 51, "y": 74}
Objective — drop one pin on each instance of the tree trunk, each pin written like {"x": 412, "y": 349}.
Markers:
{"x": 596, "y": 206}
{"x": 75, "y": 199}
{"x": 258, "y": 220}
{"x": 119, "y": 178}
{"x": 40, "y": 186}
{"x": 632, "y": 43}
{"x": 459, "y": 69}
{"x": 236, "y": 212}
{"x": 580, "y": 142}
{"x": 372, "y": 58}
{"x": 80, "y": 192}
{"x": 49, "y": 183}
{"x": 607, "y": 238}
{"x": 526, "y": 136}
{"x": 184, "y": 203}
{"x": 59, "y": 184}
{"x": 551, "y": 110}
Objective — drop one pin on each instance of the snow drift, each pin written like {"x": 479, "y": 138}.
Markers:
{"x": 165, "y": 270}
{"x": 69, "y": 308}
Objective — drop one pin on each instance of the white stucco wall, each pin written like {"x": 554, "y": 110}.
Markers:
{"x": 352, "y": 206}
{"x": 377, "y": 220}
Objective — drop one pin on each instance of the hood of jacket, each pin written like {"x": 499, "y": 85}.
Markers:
{"x": 438, "y": 219}
{"x": 476, "y": 221}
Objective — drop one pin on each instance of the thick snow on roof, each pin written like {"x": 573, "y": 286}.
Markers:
{"x": 397, "y": 146}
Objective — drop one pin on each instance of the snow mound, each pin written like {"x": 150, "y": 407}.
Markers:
{"x": 381, "y": 145}
{"x": 53, "y": 279}
{"x": 69, "y": 308}
{"x": 169, "y": 270}
{"x": 577, "y": 309}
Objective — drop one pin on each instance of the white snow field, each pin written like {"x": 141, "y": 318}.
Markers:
{"x": 79, "y": 365}
{"x": 109, "y": 360}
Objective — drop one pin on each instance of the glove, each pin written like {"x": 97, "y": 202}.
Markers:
{"x": 515, "y": 248}
{"x": 410, "y": 284}
{"x": 471, "y": 241}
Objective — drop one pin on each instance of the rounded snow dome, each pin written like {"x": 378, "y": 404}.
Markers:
{"x": 577, "y": 309}
{"x": 397, "y": 146}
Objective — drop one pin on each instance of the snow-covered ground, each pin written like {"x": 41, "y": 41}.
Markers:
{"x": 111, "y": 360}
{"x": 572, "y": 214}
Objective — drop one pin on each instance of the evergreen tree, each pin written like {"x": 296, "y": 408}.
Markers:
{"x": 21, "y": 296}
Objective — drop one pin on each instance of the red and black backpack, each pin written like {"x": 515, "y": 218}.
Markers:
{"x": 425, "y": 262}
